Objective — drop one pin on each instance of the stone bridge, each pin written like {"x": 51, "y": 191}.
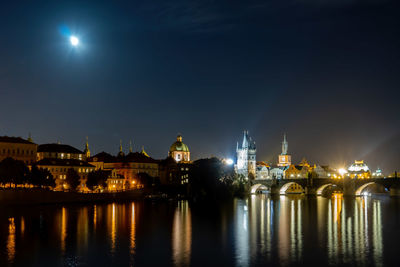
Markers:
{"x": 317, "y": 186}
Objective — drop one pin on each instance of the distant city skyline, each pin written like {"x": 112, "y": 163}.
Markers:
{"x": 271, "y": 158}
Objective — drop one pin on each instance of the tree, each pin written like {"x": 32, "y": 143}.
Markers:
{"x": 13, "y": 171}
{"x": 144, "y": 179}
{"x": 41, "y": 177}
{"x": 97, "y": 178}
{"x": 212, "y": 179}
{"x": 73, "y": 180}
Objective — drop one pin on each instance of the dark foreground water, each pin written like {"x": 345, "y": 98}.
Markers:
{"x": 257, "y": 231}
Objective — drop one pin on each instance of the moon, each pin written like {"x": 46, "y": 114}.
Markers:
{"x": 74, "y": 40}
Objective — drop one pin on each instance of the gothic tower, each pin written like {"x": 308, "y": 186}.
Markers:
{"x": 284, "y": 158}
{"x": 246, "y": 157}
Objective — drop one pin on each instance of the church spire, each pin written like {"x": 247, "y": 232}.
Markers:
{"x": 284, "y": 145}
{"x": 120, "y": 153}
{"x": 87, "y": 151}
{"x": 130, "y": 147}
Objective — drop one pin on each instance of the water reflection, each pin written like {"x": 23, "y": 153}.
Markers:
{"x": 350, "y": 232}
{"x": 260, "y": 230}
{"x": 241, "y": 232}
{"x": 113, "y": 230}
{"x": 11, "y": 240}
{"x": 63, "y": 232}
{"x": 290, "y": 228}
{"x": 182, "y": 234}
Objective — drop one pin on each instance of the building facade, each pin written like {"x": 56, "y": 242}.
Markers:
{"x": 359, "y": 170}
{"x": 18, "y": 149}
{"x": 246, "y": 157}
{"x": 59, "y": 151}
{"x": 59, "y": 168}
{"x": 127, "y": 166}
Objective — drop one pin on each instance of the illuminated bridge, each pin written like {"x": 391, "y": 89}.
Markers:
{"x": 319, "y": 186}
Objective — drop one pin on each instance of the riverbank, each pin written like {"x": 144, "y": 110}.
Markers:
{"x": 42, "y": 196}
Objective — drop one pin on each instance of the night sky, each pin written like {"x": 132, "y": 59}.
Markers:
{"x": 325, "y": 72}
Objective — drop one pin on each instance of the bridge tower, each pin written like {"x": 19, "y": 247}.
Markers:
{"x": 246, "y": 157}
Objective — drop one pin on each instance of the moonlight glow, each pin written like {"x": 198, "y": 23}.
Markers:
{"x": 74, "y": 40}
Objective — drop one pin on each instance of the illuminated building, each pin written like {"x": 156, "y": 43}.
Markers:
{"x": 246, "y": 157}
{"x": 115, "y": 182}
{"x": 262, "y": 170}
{"x": 284, "y": 158}
{"x": 18, "y": 149}
{"x": 277, "y": 172}
{"x": 127, "y": 166}
{"x": 59, "y": 151}
{"x": 325, "y": 172}
{"x": 359, "y": 170}
{"x": 179, "y": 151}
{"x": 298, "y": 171}
{"x": 59, "y": 168}
{"x": 172, "y": 172}
{"x": 377, "y": 174}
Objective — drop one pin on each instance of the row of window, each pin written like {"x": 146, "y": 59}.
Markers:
{"x": 17, "y": 151}
{"x": 80, "y": 170}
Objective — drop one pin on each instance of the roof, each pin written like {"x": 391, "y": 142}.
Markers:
{"x": 59, "y": 148}
{"x": 131, "y": 157}
{"x": 262, "y": 163}
{"x": 63, "y": 162}
{"x": 17, "y": 140}
{"x": 101, "y": 157}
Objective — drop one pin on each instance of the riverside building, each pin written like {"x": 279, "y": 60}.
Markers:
{"x": 18, "y": 149}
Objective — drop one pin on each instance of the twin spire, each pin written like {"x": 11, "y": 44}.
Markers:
{"x": 121, "y": 152}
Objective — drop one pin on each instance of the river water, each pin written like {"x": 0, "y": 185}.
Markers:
{"x": 257, "y": 231}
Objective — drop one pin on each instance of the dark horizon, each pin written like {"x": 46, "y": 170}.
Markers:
{"x": 324, "y": 73}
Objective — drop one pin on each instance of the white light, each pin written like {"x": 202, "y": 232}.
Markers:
{"x": 229, "y": 161}
{"x": 74, "y": 40}
{"x": 342, "y": 171}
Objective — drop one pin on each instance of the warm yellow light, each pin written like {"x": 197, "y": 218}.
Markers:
{"x": 133, "y": 182}
{"x": 342, "y": 171}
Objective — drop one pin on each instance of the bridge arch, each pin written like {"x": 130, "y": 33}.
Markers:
{"x": 258, "y": 187}
{"x": 285, "y": 187}
{"x": 359, "y": 191}
{"x": 322, "y": 188}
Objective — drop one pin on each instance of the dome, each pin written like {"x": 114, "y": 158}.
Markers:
{"x": 179, "y": 145}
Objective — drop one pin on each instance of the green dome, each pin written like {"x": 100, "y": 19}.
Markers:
{"x": 179, "y": 146}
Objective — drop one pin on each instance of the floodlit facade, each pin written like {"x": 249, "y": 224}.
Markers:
{"x": 246, "y": 157}
{"x": 179, "y": 151}
{"x": 359, "y": 170}
{"x": 127, "y": 166}
{"x": 59, "y": 169}
{"x": 59, "y": 151}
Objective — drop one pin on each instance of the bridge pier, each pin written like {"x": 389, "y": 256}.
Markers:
{"x": 349, "y": 187}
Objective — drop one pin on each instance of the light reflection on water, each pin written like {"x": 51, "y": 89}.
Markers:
{"x": 259, "y": 230}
